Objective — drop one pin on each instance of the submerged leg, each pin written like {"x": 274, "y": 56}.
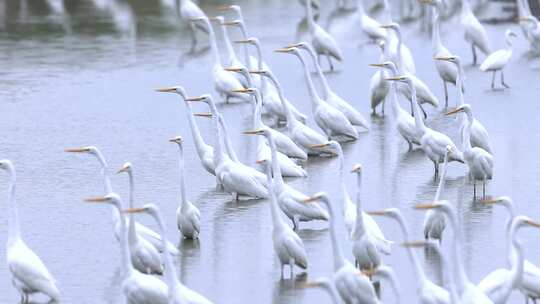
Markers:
{"x": 502, "y": 80}
{"x": 445, "y": 93}
{"x": 474, "y": 189}
{"x": 473, "y": 54}
{"x": 493, "y": 80}
{"x": 330, "y": 62}
{"x": 484, "y": 188}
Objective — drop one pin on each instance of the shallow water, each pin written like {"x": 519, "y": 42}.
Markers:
{"x": 85, "y": 75}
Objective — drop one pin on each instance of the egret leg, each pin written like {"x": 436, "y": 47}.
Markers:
{"x": 493, "y": 80}
{"x": 282, "y": 266}
{"x": 291, "y": 264}
{"x": 474, "y": 189}
{"x": 423, "y": 111}
{"x": 473, "y": 54}
{"x": 330, "y": 62}
{"x": 484, "y": 188}
{"x": 445, "y": 93}
{"x": 296, "y": 222}
{"x": 382, "y": 105}
{"x": 436, "y": 165}
{"x": 502, "y": 80}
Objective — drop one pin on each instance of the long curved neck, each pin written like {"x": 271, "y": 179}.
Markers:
{"x": 447, "y": 275}
{"x": 291, "y": 120}
{"x": 275, "y": 164}
{"x": 341, "y": 172}
{"x": 274, "y": 208}
{"x": 218, "y": 148}
{"x": 412, "y": 253}
{"x": 461, "y": 276}
{"x": 14, "y": 226}
{"x": 228, "y": 45}
{"x": 312, "y": 92}
{"x": 419, "y": 122}
{"x": 339, "y": 258}
{"x": 132, "y": 234}
{"x": 467, "y": 133}
{"x": 435, "y": 34}
{"x": 360, "y": 8}
{"x": 442, "y": 178}
{"x": 227, "y": 139}
{"x": 465, "y": 7}
{"x": 257, "y": 119}
{"x": 396, "y": 107}
{"x": 359, "y": 225}
{"x": 183, "y": 199}
{"x": 516, "y": 273}
{"x": 170, "y": 272}
{"x": 400, "y": 53}
{"x": 245, "y": 47}
{"x": 213, "y": 42}
{"x": 104, "y": 168}
{"x": 459, "y": 80}
{"x": 200, "y": 145}
{"x": 326, "y": 87}
{"x": 124, "y": 249}
{"x": 260, "y": 66}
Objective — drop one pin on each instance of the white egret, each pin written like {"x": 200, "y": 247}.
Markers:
{"x": 350, "y": 210}
{"x": 480, "y": 161}
{"x": 474, "y": 32}
{"x": 332, "y": 121}
{"x": 367, "y": 248}
{"x": 289, "y": 199}
{"x": 468, "y": 292}
{"x": 302, "y": 135}
{"x": 321, "y": 40}
{"x": 144, "y": 256}
{"x": 445, "y": 268}
{"x": 288, "y": 167}
{"x": 249, "y": 61}
{"x": 433, "y": 143}
{"x": 497, "y": 60}
{"x": 530, "y": 282}
{"x": 28, "y": 273}
{"x": 178, "y": 293}
{"x": 138, "y": 288}
{"x": 288, "y": 246}
{"x": 236, "y": 178}
{"x": 188, "y": 12}
{"x": 284, "y": 144}
{"x": 369, "y": 26}
{"x": 479, "y": 134}
{"x": 388, "y": 274}
{"x": 204, "y": 151}
{"x": 351, "y": 284}
{"x": 271, "y": 101}
{"x": 398, "y": 52}
{"x": 428, "y": 292}
{"x": 405, "y": 123}
{"x": 232, "y": 59}
{"x": 499, "y": 284}
{"x": 325, "y": 284}
{"x": 330, "y": 96}
{"x": 188, "y": 217}
{"x": 378, "y": 86}
{"x": 434, "y": 221}
{"x": 142, "y": 231}
{"x": 447, "y": 71}
{"x": 224, "y": 82}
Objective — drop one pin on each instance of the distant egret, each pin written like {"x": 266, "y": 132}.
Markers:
{"x": 497, "y": 60}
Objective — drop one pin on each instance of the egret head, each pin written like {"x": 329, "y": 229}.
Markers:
{"x": 111, "y": 198}
{"x": 206, "y": 98}
{"x": 239, "y": 23}
{"x": 200, "y": 19}
{"x": 452, "y": 58}
{"x": 251, "y": 40}
{"x": 239, "y": 69}
{"x": 302, "y": 45}
{"x": 126, "y": 168}
{"x": 266, "y": 73}
{"x": 219, "y": 19}
{"x": 176, "y": 89}
{"x": 529, "y": 18}
{"x": 250, "y": 91}
{"x": 357, "y": 169}
{"x": 150, "y": 209}
{"x": 501, "y": 200}
{"x": 204, "y": 114}
{"x": 88, "y": 149}
{"x": 332, "y": 144}
{"x": 522, "y": 220}
{"x": 442, "y": 205}
{"x": 225, "y": 8}
{"x": 262, "y": 131}
{"x": 466, "y": 108}
{"x": 177, "y": 140}
{"x": 402, "y": 78}
{"x": 288, "y": 50}
{"x": 388, "y": 212}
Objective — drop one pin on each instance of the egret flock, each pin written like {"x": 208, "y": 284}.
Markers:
{"x": 285, "y": 143}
